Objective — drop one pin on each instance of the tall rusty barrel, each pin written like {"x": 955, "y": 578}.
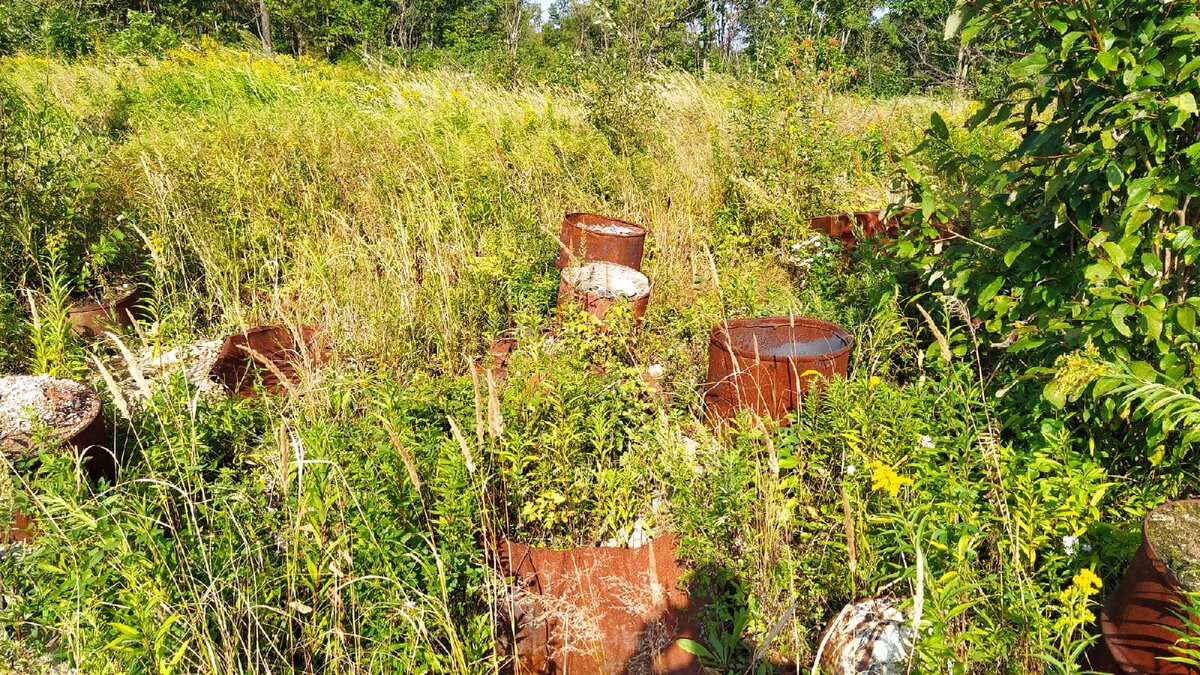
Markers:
{"x": 767, "y": 365}
{"x": 588, "y": 237}
{"x": 597, "y": 286}
{"x": 1140, "y": 620}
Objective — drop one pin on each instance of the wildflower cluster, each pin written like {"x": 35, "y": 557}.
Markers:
{"x": 1077, "y": 370}
{"x": 1076, "y": 600}
{"x": 885, "y": 479}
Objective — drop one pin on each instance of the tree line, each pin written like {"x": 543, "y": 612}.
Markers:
{"x": 889, "y": 46}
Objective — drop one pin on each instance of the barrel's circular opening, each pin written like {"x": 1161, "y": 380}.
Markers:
{"x": 31, "y": 402}
{"x": 605, "y": 225}
{"x": 783, "y": 338}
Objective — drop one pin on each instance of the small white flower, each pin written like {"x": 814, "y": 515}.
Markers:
{"x": 925, "y": 442}
{"x": 655, "y": 370}
{"x": 1069, "y": 544}
{"x": 850, "y": 469}
{"x": 1085, "y": 547}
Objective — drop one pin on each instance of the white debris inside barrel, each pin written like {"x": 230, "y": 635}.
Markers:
{"x": 195, "y": 360}
{"x": 29, "y": 401}
{"x": 870, "y": 636}
{"x": 608, "y": 280}
{"x": 613, "y": 228}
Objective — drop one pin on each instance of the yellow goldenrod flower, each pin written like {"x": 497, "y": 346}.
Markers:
{"x": 1087, "y": 581}
{"x": 885, "y": 479}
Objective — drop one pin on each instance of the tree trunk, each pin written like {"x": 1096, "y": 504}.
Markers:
{"x": 264, "y": 26}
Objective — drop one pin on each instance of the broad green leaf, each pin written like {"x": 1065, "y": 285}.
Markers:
{"x": 1185, "y": 102}
{"x": 1098, "y": 272}
{"x": 1108, "y": 60}
{"x": 1114, "y": 175}
{"x": 1187, "y": 70}
{"x": 1186, "y": 316}
{"x": 695, "y": 648}
{"x": 937, "y": 127}
{"x": 1015, "y": 252}
{"x": 1151, "y": 264}
{"x": 1144, "y": 370}
{"x": 1029, "y": 66}
{"x": 961, "y": 14}
{"x": 990, "y": 290}
{"x": 1116, "y": 255}
{"x": 1154, "y": 320}
{"x": 1118, "y": 319}
{"x": 1052, "y": 393}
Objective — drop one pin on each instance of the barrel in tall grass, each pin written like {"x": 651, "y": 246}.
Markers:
{"x": 114, "y": 310}
{"x": 36, "y": 410}
{"x": 275, "y": 356}
{"x": 597, "y": 287}
{"x": 1148, "y": 613}
{"x": 767, "y": 365}
{"x": 587, "y": 237}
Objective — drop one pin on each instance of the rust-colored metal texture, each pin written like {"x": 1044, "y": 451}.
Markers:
{"x": 587, "y": 237}
{"x": 98, "y": 459}
{"x": 596, "y": 287}
{"x": 90, "y": 318}
{"x": 20, "y": 531}
{"x": 767, "y": 365}
{"x": 596, "y": 610}
{"x": 842, "y": 226}
{"x": 1140, "y": 618}
{"x": 498, "y": 353}
{"x": 88, "y": 436}
{"x": 273, "y": 354}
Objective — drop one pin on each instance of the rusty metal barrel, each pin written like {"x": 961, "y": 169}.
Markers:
{"x": 91, "y": 317}
{"x": 841, "y": 226}
{"x": 1141, "y": 620}
{"x": 596, "y": 287}
{"x": 587, "y": 237}
{"x": 273, "y": 355}
{"x": 69, "y": 412}
{"x": 767, "y": 365}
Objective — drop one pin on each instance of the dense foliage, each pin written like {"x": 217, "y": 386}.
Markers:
{"x": 1079, "y": 245}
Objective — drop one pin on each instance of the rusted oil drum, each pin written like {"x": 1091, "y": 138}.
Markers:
{"x": 841, "y": 226}
{"x": 595, "y": 287}
{"x": 69, "y": 411}
{"x": 274, "y": 354}
{"x": 595, "y": 610}
{"x": 1140, "y": 618}
{"x": 91, "y": 317}
{"x": 588, "y": 237}
{"x": 766, "y": 365}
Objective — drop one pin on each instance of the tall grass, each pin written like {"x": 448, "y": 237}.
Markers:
{"x": 339, "y": 530}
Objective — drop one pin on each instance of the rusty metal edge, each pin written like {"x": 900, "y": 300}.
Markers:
{"x": 722, "y": 329}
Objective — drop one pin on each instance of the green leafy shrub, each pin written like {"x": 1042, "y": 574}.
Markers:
{"x": 143, "y": 34}
{"x": 1083, "y": 231}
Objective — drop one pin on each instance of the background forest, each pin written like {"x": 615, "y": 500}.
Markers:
{"x": 887, "y": 48}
